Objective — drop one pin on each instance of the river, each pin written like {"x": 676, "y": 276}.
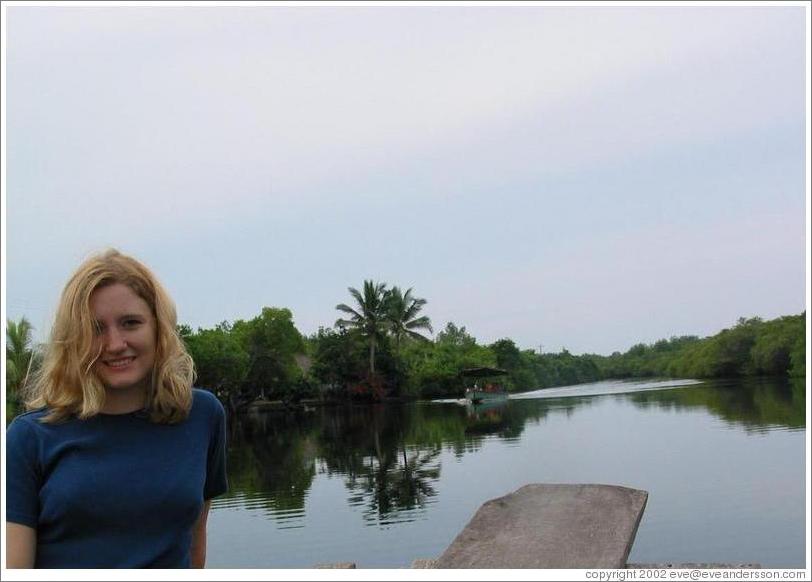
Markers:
{"x": 383, "y": 485}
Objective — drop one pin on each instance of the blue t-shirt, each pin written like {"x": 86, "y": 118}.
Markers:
{"x": 115, "y": 490}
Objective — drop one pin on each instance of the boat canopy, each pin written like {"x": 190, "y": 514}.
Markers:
{"x": 482, "y": 372}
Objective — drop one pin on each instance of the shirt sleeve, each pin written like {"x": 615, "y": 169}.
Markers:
{"x": 22, "y": 474}
{"x": 216, "y": 479}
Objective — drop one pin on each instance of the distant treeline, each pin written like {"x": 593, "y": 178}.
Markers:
{"x": 378, "y": 351}
{"x": 432, "y": 369}
{"x": 335, "y": 362}
{"x": 751, "y": 348}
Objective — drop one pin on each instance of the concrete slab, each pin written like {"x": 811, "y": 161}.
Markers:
{"x": 551, "y": 526}
{"x": 422, "y": 563}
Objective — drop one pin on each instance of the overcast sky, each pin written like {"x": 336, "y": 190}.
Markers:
{"x": 579, "y": 177}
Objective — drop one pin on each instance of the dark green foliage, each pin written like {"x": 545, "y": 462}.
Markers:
{"x": 220, "y": 359}
{"x": 403, "y": 321}
{"x": 797, "y": 357}
{"x": 369, "y": 319}
{"x": 246, "y": 360}
{"x": 402, "y": 316}
{"x": 751, "y": 348}
{"x": 341, "y": 365}
{"x": 508, "y": 356}
{"x": 565, "y": 369}
{"x": 22, "y": 363}
{"x": 524, "y": 376}
{"x": 423, "y": 368}
{"x": 433, "y": 368}
{"x": 780, "y": 346}
{"x": 272, "y": 342}
{"x": 386, "y": 320}
{"x": 338, "y": 358}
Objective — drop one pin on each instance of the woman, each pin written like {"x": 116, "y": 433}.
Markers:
{"x": 117, "y": 461}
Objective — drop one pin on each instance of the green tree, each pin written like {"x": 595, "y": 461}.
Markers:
{"x": 453, "y": 336}
{"x": 797, "y": 357}
{"x": 402, "y": 316}
{"x": 751, "y": 348}
{"x": 272, "y": 342}
{"x": 21, "y": 361}
{"x": 729, "y": 351}
{"x": 518, "y": 364}
{"x": 507, "y": 354}
{"x": 403, "y": 319}
{"x": 771, "y": 353}
{"x": 221, "y": 362}
{"x": 433, "y": 368}
{"x": 370, "y": 317}
{"x": 339, "y": 358}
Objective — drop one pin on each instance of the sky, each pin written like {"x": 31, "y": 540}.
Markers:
{"x": 575, "y": 177}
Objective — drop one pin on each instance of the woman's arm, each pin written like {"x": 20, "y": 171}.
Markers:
{"x": 21, "y": 545}
{"x": 199, "y": 537}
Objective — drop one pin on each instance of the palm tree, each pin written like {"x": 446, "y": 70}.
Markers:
{"x": 402, "y": 320}
{"x": 19, "y": 357}
{"x": 401, "y": 316}
{"x": 369, "y": 318}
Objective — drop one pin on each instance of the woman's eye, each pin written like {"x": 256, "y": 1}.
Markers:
{"x": 131, "y": 323}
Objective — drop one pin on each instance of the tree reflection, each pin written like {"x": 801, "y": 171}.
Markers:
{"x": 754, "y": 403}
{"x": 396, "y": 484}
{"x": 272, "y": 459}
{"x": 390, "y": 456}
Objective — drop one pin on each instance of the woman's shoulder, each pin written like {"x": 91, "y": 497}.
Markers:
{"x": 29, "y": 419}
{"x": 206, "y": 400}
{"x": 28, "y": 426}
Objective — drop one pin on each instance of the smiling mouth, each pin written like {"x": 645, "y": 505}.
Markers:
{"x": 120, "y": 363}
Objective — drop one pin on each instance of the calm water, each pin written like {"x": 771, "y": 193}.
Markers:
{"x": 724, "y": 465}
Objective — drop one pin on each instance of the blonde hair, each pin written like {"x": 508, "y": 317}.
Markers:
{"x": 66, "y": 384}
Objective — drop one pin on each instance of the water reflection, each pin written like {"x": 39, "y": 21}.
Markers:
{"x": 391, "y": 488}
{"x": 272, "y": 462}
{"x": 756, "y": 404}
{"x": 389, "y": 456}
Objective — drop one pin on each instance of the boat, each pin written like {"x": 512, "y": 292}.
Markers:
{"x": 480, "y": 384}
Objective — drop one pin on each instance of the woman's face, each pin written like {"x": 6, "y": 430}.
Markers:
{"x": 126, "y": 337}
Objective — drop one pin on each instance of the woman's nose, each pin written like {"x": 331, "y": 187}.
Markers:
{"x": 114, "y": 342}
